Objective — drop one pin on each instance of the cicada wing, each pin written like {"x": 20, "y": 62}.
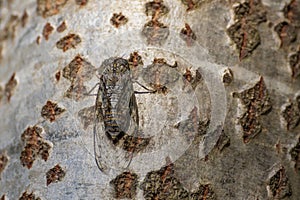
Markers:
{"x": 107, "y": 154}
{"x": 133, "y": 110}
{"x": 99, "y": 147}
{"x": 99, "y": 136}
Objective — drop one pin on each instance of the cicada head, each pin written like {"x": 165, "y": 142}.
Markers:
{"x": 120, "y": 66}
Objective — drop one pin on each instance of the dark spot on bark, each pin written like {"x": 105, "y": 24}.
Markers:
{"x": 197, "y": 79}
{"x": 69, "y": 41}
{"x": 62, "y": 27}
{"x": 24, "y": 19}
{"x": 29, "y": 196}
{"x": 3, "y": 162}
{"x": 125, "y": 185}
{"x": 38, "y": 40}
{"x": 227, "y": 76}
{"x": 194, "y": 80}
{"x": 118, "y": 20}
{"x": 135, "y": 59}
{"x": 9, "y": 88}
{"x": 286, "y": 32}
{"x": 295, "y": 154}
{"x": 191, "y": 5}
{"x": 257, "y": 102}
{"x": 55, "y": 174}
{"x": 81, "y": 2}
{"x": 51, "y": 110}
{"x": 48, "y": 29}
{"x": 57, "y": 76}
{"x": 47, "y": 8}
{"x": 279, "y": 185}
{"x": 188, "y": 35}
{"x": 35, "y": 146}
{"x": 188, "y": 75}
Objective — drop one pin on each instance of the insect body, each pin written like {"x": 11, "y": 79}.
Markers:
{"x": 116, "y": 106}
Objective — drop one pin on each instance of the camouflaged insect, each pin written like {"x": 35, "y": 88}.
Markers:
{"x": 116, "y": 112}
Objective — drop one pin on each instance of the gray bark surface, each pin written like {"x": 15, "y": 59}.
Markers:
{"x": 229, "y": 130}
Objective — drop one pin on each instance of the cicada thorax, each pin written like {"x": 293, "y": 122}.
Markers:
{"x": 117, "y": 91}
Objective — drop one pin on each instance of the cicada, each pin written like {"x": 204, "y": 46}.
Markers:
{"x": 116, "y": 114}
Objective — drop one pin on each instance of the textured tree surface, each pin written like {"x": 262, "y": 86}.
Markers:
{"x": 223, "y": 122}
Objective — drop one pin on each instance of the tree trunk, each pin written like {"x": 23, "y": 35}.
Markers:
{"x": 210, "y": 90}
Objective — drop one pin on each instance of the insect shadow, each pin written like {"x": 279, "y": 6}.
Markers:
{"x": 116, "y": 115}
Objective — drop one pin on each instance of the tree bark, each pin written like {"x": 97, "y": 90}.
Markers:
{"x": 218, "y": 118}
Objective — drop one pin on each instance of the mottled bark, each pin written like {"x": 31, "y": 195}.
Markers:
{"x": 218, "y": 118}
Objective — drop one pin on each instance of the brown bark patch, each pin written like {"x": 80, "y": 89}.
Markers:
{"x": 47, "y": 8}
{"x": 68, "y": 42}
{"x": 62, "y": 27}
{"x": 244, "y": 31}
{"x": 29, "y": 196}
{"x": 279, "y": 185}
{"x": 35, "y": 146}
{"x": 51, "y": 110}
{"x": 48, "y": 29}
{"x": 55, "y": 174}
{"x": 257, "y": 102}
{"x": 125, "y": 185}
{"x": 295, "y": 154}
{"x": 188, "y": 35}
{"x": 3, "y": 162}
{"x": 118, "y": 20}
